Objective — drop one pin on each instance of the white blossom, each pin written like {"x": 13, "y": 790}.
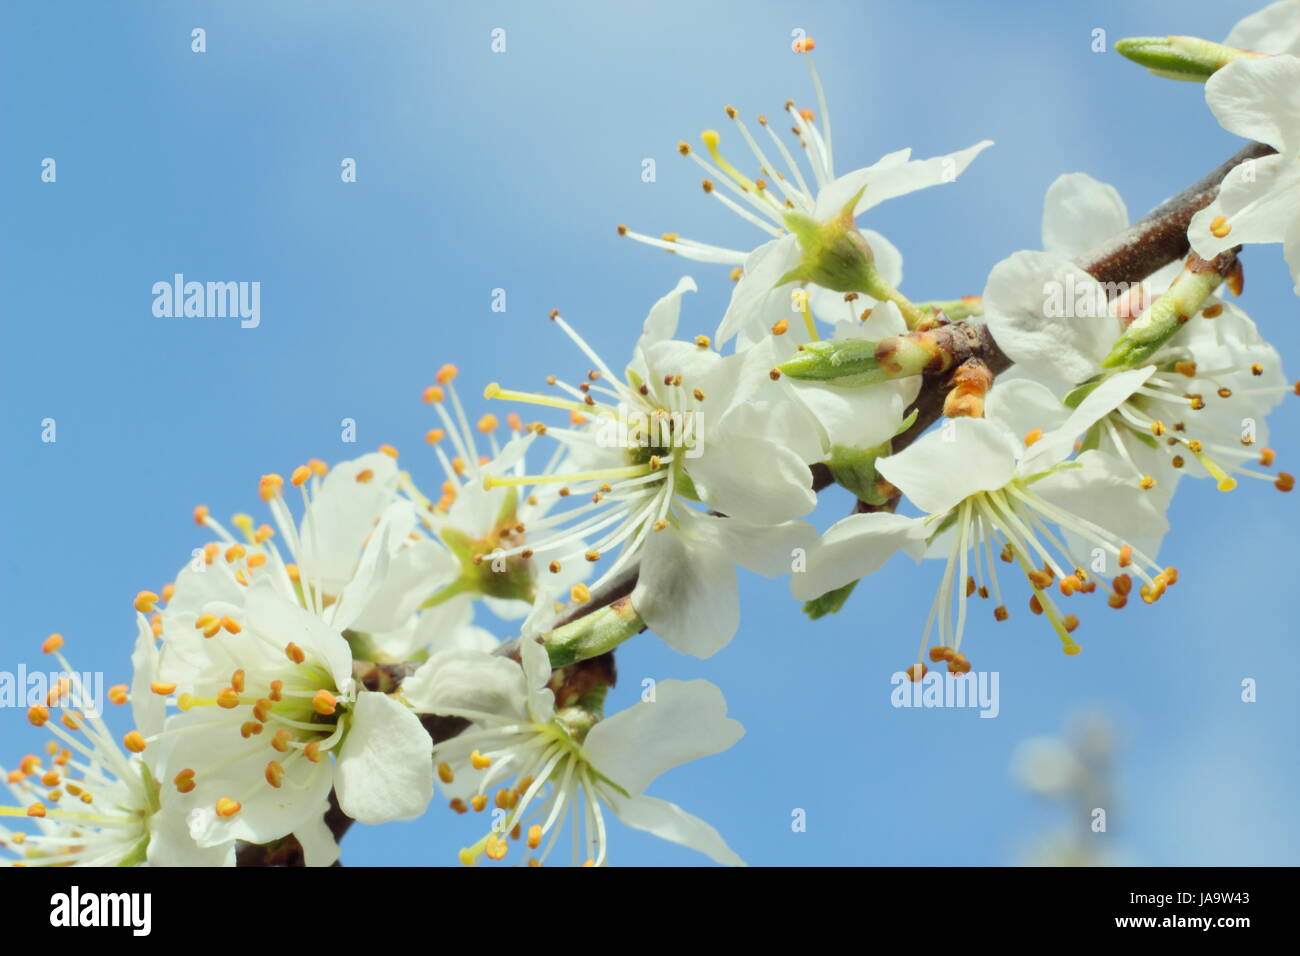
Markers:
{"x": 539, "y": 766}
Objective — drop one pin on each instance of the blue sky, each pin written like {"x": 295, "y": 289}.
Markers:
{"x": 481, "y": 170}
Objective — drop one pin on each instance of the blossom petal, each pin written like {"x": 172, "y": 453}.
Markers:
{"x": 952, "y": 462}
{"x": 1022, "y": 405}
{"x": 385, "y": 767}
{"x": 417, "y": 570}
{"x": 756, "y": 301}
{"x": 884, "y": 182}
{"x": 1056, "y": 445}
{"x": 1259, "y": 99}
{"x": 535, "y": 663}
{"x": 685, "y": 720}
{"x": 170, "y": 843}
{"x": 670, "y": 822}
{"x": 1099, "y": 491}
{"x": 752, "y": 479}
{"x": 768, "y": 550}
{"x": 1029, "y": 306}
{"x": 854, "y": 547}
{"x": 466, "y": 682}
{"x": 148, "y": 710}
{"x": 1275, "y": 29}
{"x": 206, "y": 739}
{"x": 319, "y": 848}
{"x": 342, "y": 513}
{"x": 282, "y": 622}
{"x": 661, "y": 322}
{"x": 1080, "y": 213}
{"x": 687, "y": 594}
{"x": 1257, "y": 200}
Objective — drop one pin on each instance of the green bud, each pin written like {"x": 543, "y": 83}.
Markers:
{"x": 954, "y": 310}
{"x": 835, "y": 255}
{"x": 593, "y": 634}
{"x": 1180, "y": 58}
{"x": 850, "y": 363}
{"x": 1163, "y": 318}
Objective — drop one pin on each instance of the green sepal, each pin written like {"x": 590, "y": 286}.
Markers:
{"x": 830, "y": 602}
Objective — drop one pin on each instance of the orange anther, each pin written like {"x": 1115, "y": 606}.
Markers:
{"x": 201, "y": 514}
{"x": 134, "y": 742}
{"x": 119, "y": 694}
{"x": 274, "y": 774}
{"x": 144, "y": 601}
{"x": 299, "y": 476}
{"x": 227, "y": 807}
{"x": 52, "y": 644}
{"x": 324, "y": 703}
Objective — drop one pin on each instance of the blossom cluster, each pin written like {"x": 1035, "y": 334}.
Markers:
{"x": 377, "y": 638}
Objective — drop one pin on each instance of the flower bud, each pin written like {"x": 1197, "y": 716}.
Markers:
{"x": 835, "y": 254}
{"x": 1180, "y": 58}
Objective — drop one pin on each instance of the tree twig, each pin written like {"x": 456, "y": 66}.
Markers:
{"x": 1154, "y": 241}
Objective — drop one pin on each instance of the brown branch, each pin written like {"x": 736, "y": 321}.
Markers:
{"x": 1154, "y": 241}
